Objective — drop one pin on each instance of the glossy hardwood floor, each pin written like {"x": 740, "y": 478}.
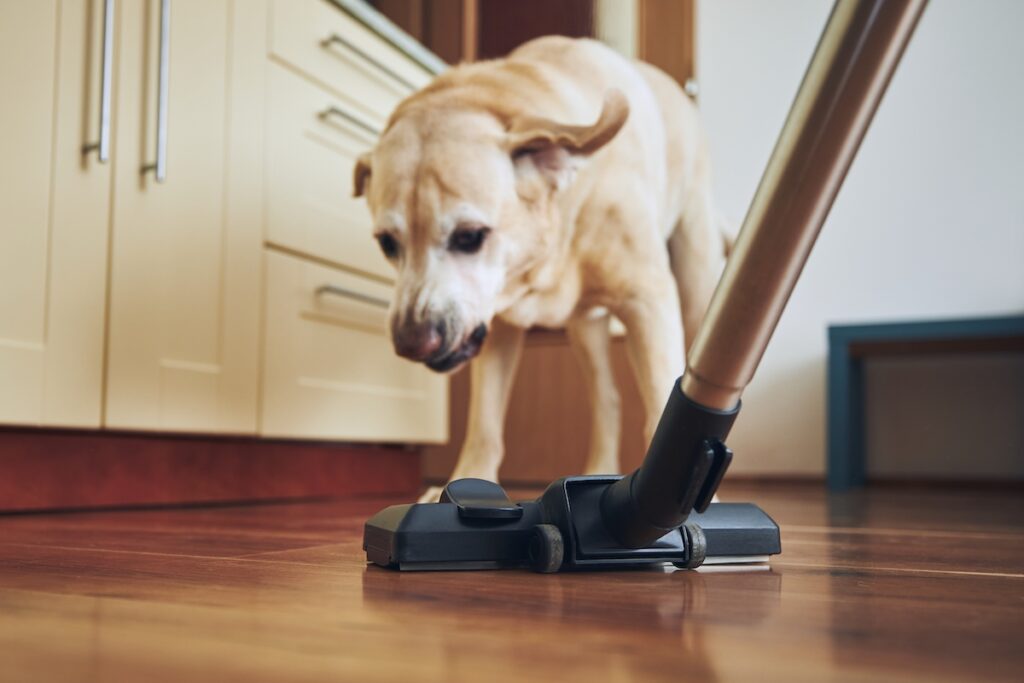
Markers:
{"x": 885, "y": 586}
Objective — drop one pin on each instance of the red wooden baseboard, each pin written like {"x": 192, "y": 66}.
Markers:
{"x": 51, "y": 469}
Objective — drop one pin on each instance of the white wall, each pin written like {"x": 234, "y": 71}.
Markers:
{"x": 930, "y": 222}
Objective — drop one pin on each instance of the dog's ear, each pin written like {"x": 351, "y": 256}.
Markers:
{"x": 556, "y": 149}
{"x": 361, "y": 175}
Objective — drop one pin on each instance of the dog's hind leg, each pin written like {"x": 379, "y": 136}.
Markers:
{"x": 697, "y": 250}
{"x": 491, "y": 376}
{"x": 590, "y": 340}
{"x": 654, "y": 340}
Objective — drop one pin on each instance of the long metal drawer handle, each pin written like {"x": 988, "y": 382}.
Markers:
{"x": 160, "y": 166}
{"x": 354, "y": 295}
{"x": 334, "y": 38}
{"x": 355, "y": 121}
{"x": 106, "y": 75}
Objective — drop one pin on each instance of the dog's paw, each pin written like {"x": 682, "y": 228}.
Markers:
{"x": 431, "y": 495}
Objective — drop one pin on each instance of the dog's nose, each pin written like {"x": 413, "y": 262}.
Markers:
{"x": 418, "y": 341}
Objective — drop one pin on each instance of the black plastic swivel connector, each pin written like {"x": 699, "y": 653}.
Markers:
{"x": 683, "y": 467}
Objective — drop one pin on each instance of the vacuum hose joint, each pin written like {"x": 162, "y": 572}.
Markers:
{"x": 684, "y": 464}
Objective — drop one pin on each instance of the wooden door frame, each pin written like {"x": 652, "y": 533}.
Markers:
{"x": 666, "y": 36}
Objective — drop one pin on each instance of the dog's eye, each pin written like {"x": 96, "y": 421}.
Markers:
{"x": 388, "y": 244}
{"x": 467, "y": 240}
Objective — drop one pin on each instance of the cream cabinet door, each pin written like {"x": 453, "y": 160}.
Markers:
{"x": 54, "y": 202}
{"x": 185, "y": 271}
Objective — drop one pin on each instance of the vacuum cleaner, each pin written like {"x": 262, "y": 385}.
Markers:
{"x": 663, "y": 512}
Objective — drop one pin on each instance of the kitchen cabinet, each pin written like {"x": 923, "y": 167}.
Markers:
{"x": 328, "y": 367}
{"x": 178, "y": 285}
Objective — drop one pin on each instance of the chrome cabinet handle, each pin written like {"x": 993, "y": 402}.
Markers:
{"x": 334, "y": 38}
{"x": 355, "y": 121}
{"x": 106, "y": 73}
{"x": 354, "y": 295}
{"x": 160, "y": 166}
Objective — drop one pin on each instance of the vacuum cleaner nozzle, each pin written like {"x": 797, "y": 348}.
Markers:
{"x": 590, "y": 522}
{"x": 561, "y": 530}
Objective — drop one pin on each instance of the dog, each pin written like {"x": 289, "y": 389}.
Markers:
{"x": 556, "y": 187}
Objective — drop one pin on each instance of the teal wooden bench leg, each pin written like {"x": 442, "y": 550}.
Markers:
{"x": 846, "y": 467}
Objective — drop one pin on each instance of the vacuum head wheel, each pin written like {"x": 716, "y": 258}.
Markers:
{"x": 546, "y": 549}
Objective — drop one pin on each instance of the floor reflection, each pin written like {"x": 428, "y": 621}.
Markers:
{"x": 652, "y": 604}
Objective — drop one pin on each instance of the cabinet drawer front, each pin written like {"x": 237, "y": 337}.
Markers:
{"x": 334, "y": 49}
{"x": 312, "y": 145}
{"x": 329, "y": 369}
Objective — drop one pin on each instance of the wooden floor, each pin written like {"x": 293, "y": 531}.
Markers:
{"x": 888, "y": 586}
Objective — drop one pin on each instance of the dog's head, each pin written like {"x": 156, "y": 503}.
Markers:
{"x": 463, "y": 204}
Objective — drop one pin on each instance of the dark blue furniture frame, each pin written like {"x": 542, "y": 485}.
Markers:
{"x": 849, "y": 345}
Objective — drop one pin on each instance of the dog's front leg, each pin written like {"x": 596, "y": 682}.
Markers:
{"x": 491, "y": 376}
{"x": 591, "y": 341}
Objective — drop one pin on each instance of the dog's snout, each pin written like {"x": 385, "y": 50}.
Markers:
{"x": 419, "y": 341}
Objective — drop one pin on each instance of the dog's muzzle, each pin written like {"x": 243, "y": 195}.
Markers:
{"x": 445, "y": 361}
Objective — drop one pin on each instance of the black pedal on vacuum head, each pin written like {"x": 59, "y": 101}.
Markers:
{"x": 480, "y": 499}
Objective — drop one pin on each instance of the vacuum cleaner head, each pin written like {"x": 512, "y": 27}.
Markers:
{"x": 476, "y": 526}
{"x": 661, "y": 513}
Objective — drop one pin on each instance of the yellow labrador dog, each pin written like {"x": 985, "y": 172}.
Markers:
{"x": 554, "y": 187}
